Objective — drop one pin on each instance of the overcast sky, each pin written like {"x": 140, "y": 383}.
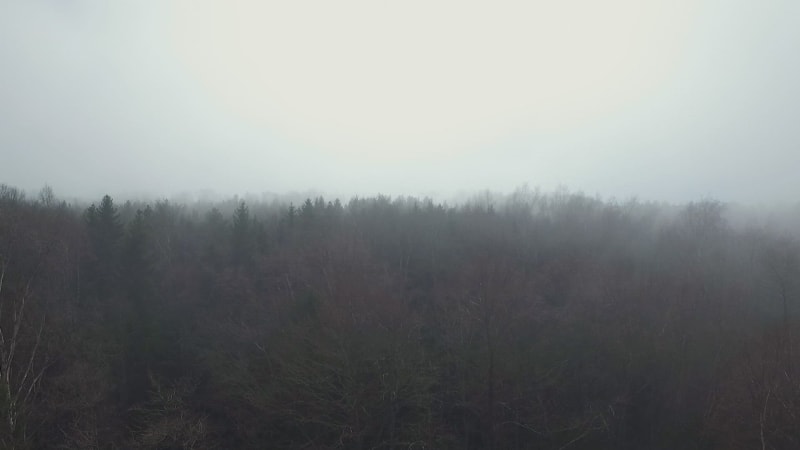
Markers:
{"x": 667, "y": 100}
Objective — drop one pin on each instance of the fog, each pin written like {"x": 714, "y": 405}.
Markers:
{"x": 441, "y": 224}
{"x": 669, "y": 101}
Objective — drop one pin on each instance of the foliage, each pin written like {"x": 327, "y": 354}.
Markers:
{"x": 533, "y": 321}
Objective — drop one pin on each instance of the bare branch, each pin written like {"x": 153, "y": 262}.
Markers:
{"x": 763, "y": 419}
{"x": 30, "y": 360}
{"x": 19, "y": 314}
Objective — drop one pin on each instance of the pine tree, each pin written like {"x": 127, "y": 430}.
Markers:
{"x": 105, "y": 233}
{"x": 241, "y": 235}
{"x": 138, "y": 320}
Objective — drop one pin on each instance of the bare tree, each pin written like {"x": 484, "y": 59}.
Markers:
{"x": 21, "y": 362}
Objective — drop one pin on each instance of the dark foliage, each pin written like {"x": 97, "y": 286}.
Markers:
{"x": 539, "y": 321}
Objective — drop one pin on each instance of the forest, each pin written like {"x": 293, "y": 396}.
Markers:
{"x": 532, "y": 320}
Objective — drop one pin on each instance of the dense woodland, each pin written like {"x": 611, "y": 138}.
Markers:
{"x": 528, "y": 321}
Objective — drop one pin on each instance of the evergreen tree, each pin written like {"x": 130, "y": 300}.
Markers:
{"x": 291, "y": 213}
{"x": 105, "y": 232}
{"x": 216, "y": 237}
{"x": 140, "y": 332}
{"x": 241, "y": 235}
{"x": 307, "y": 211}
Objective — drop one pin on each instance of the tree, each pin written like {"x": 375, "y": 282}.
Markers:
{"x": 138, "y": 316}
{"x": 19, "y": 374}
{"x": 105, "y": 232}
{"x": 242, "y": 236}
{"x": 307, "y": 212}
{"x": 34, "y": 261}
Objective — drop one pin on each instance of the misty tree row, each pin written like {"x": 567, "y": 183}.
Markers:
{"x": 528, "y": 321}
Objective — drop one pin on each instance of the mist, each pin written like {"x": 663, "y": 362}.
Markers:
{"x": 672, "y": 101}
{"x": 413, "y": 225}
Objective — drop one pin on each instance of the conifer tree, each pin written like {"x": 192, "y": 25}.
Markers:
{"x": 241, "y": 235}
{"x": 105, "y": 232}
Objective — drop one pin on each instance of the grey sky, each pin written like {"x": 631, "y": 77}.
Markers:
{"x": 671, "y": 100}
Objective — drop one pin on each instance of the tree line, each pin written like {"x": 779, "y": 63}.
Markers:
{"x": 530, "y": 321}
